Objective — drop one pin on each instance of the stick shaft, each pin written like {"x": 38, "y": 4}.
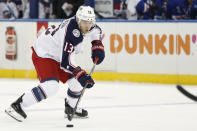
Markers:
{"x": 82, "y": 92}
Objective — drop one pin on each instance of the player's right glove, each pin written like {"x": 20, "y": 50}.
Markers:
{"x": 83, "y": 77}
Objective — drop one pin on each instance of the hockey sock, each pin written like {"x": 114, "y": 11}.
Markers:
{"x": 72, "y": 97}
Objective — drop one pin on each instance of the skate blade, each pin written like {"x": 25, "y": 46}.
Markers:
{"x": 12, "y": 113}
{"x": 76, "y": 117}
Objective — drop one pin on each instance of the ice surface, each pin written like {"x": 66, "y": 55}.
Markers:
{"x": 112, "y": 106}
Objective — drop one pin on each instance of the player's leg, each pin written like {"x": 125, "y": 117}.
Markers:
{"x": 73, "y": 93}
{"x": 35, "y": 95}
{"x": 47, "y": 71}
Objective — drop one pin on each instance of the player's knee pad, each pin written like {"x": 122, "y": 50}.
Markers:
{"x": 75, "y": 88}
{"x": 45, "y": 90}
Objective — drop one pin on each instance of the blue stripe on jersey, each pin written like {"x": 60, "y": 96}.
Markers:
{"x": 65, "y": 63}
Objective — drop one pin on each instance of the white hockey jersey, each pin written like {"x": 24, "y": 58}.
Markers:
{"x": 62, "y": 42}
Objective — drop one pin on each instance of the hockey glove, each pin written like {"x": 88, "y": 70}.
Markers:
{"x": 97, "y": 51}
{"x": 83, "y": 77}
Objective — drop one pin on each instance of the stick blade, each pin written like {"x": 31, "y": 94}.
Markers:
{"x": 186, "y": 93}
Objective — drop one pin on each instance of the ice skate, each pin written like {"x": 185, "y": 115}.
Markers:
{"x": 80, "y": 113}
{"x": 15, "y": 110}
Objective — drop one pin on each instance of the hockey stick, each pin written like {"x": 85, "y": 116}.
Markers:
{"x": 186, "y": 93}
{"x": 70, "y": 117}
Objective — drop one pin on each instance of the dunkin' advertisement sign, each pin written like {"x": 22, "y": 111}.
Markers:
{"x": 166, "y": 44}
{"x": 146, "y": 38}
{"x": 152, "y": 47}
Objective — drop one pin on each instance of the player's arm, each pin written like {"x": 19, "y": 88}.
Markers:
{"x": 98, "y": 51}
{"x": 67, "y": 63}
{"x": 67, "y": 59}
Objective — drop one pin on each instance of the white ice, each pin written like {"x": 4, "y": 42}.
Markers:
{"x": 112, "y": 106}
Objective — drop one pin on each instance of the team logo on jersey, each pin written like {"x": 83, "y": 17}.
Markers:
{"x": 76, "y": 33}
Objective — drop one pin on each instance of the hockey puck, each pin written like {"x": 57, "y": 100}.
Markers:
{"x": 69, "y": 125}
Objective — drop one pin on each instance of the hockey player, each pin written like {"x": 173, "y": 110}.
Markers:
{"x": 53, "y": 58}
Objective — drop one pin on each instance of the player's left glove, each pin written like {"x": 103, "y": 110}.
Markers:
{"x": 83, "y": 78}
{"x": 97, "y": 51}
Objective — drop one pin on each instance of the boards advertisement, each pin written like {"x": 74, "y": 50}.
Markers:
{"x": 159, "y": 48}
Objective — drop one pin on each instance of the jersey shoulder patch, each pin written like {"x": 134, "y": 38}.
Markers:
{"x": 76, "y": 32}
